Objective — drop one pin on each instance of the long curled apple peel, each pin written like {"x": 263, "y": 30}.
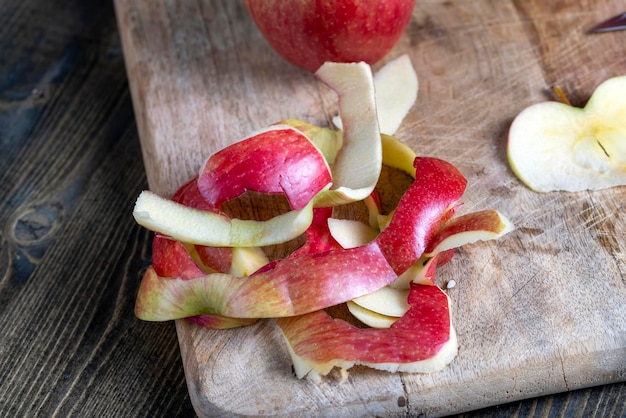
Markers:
{"x": 210, "y": 269}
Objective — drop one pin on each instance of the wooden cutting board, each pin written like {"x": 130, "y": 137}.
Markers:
{"x": 539, "y": 311}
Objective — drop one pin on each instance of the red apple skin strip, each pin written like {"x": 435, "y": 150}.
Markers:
{"x": 475, "y": 226}
{"x": 318, "y": 237}
{"x": 210, "y": 258}
{"x": 425, "y": 206}
{"x": 298, "y": 285}
{"x": 278, "y": 160}
{"x": 423, "y": 340}
{"x": 293, "y": 287}
{"x": 172, "y": 259}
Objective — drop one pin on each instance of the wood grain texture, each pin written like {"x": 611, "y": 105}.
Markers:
{"x": 538, "y": 312}
{"x": 70, "y": 167}
{"x": 71, "y": 256}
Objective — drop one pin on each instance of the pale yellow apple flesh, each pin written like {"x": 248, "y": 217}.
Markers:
{"x": 553, "y": 146}
{"x": 194, "y": 226}
{"x": 370, "y": 318}
{"x": 350, "y": 233}
{"x": 359, "y": 162}
{"x": 396, "y": 87}
{"x": 387, "y": 301}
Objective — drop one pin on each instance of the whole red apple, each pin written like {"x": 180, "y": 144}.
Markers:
{"x": 308, "y": 33}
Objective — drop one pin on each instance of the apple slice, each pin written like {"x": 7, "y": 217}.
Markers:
{"x": 554, "y": 146}
{"x": 423, "y": 340}
{"x": 396, "y": 86}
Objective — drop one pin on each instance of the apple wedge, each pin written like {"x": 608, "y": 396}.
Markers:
{"x": 554, "y": 146}
{"x": 423, "y": 340}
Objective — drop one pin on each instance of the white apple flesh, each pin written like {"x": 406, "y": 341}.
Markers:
{"x": 553, "y": 146}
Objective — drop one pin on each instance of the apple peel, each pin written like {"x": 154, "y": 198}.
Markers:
{"x": 383, "y": 271}
{"x": 370, "y": 318}
{"x": 422, "y": 341}
{"x": 201, "y": 227}
{"x": 275, "y": 160}
{"x": 358, "y": 164}
{"x": 553, "y": 146}
{"x": 476, "y": 226}
{"x": 396, "y": 87}
{"x": 293, "y": 286}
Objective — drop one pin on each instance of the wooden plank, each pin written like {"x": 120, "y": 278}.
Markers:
{"x": 540, "y": 311}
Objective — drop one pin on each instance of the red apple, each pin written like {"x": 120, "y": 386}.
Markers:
{"x": 308, "y": 33}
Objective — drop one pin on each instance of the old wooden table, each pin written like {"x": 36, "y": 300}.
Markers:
{"x": 71, "y": 255}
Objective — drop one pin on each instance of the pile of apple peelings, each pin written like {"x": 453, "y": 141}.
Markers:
{"x": 213, "y": 270}
{"x": 554, "y": 146}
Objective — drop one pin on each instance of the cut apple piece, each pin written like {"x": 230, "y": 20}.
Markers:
{"x": 396, "y": 87}
{"x": 554, "y": 146}
{"x": 370, "y": 318}
{"x": 423, "y": 340}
